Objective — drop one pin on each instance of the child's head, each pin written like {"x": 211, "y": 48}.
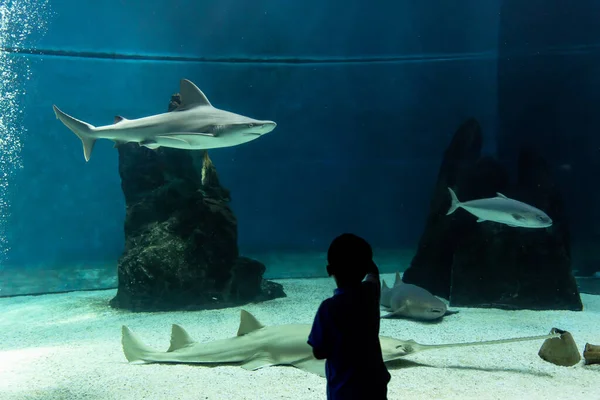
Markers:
{"x": 349, "y": 257}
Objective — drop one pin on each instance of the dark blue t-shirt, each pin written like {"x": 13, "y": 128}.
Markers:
{"x": 346, "y": 332}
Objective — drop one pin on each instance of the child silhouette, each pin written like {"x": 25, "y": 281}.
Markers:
{"x": 345, "y": 330}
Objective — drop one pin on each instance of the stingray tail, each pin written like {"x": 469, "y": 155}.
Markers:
{"x": 455, "y": 203}
{"x": 135, "y": 351}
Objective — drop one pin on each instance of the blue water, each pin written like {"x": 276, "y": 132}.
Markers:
{"x": 366, "y": 98}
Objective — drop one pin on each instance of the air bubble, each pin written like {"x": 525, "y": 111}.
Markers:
{"x": 20, "y": 21}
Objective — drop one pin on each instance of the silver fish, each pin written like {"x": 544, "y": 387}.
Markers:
{"x": 503, "y": 210}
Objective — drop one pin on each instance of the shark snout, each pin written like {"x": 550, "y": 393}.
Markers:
{"x": 266, "y": 127}
{"x": 258, "y": 128}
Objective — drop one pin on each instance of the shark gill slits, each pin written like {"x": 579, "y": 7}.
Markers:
{"x": 215, "y": 128}
{"x": 518, "y": 217}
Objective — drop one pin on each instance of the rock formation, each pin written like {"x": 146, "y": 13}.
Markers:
{"x": 490, "y": 264}
{"x": 181, "y": 235}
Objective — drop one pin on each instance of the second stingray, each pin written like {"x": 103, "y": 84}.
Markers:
{"x": 411, "y": 301}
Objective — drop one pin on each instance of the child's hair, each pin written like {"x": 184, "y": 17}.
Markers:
{"x": 349, "y": 257}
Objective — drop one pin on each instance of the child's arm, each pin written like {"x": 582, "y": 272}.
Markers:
{"x": 373, "y": 279}
{"x": 319, "y": 334}
{"x": 373, "y": 274}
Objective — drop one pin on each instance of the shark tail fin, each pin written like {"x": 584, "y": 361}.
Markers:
{"x": 455, "y": 203}
{"x": 133, "y": 347}
{"x": 83, "y": 130}
{"x": 179, "y": 338}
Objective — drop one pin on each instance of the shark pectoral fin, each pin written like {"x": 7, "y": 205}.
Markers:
{"x": 258, "y": 363}
{"x": 400, "y": 312}
{"x": 185, "y": 138}
{"x": 480, "y": 220}
{"x": 191, "y": 95}
{"x": 313, "y": 366}
{"x": 450, "y": 312}
{"x": 173, "y": 137}
{"x": 151, "y": 144}
{"x": 179, "y": 338}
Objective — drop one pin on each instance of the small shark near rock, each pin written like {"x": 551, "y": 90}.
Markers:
{"x": 411, "y": 301}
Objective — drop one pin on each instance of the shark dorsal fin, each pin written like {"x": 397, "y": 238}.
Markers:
{"x": 248, "y": 323}
{"x": 179, "y": 338}
{"x": 384, "y": 285}
{"x": 501, "y": 195}
{"x": 191, "y": 95}
{"x": 118, "y": 119}
{"x": 398, "y": 280}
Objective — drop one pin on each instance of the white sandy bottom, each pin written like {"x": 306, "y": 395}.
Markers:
{"x": 68, "y": 346}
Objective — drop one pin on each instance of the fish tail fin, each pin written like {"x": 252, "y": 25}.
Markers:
{"x": 455, "y": 203}
{"x": 133, "y": 347}
{"x": 83, "y": 130}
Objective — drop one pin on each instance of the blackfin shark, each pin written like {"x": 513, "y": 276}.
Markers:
{"x": 257, "y": 346}
{"x": 194, "y": 125}
{"x": 411, "y": 301}
{"x": 503, "y": 210}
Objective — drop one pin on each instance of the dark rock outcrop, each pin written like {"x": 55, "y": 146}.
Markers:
{"x": 490, "y": 264}
{"x": 181, "y": 236}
